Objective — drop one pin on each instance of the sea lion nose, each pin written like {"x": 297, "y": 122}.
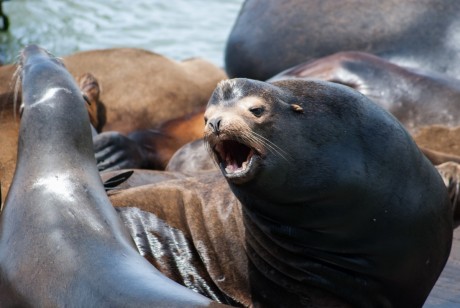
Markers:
{"x": 215, "y": 124}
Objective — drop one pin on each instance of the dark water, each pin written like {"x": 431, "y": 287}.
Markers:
{"x": 178, "y": 29}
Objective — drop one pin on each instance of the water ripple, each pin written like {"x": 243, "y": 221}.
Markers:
{"x": 176, "y": 28}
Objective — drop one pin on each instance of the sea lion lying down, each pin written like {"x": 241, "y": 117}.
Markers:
{"x": 324, "y": 200}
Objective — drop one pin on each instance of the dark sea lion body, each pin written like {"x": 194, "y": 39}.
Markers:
{"x": 270, "y": 36}
{"x": 61, "y": 241}
{"x": 314, "y": 213}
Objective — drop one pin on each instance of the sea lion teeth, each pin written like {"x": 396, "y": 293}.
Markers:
{"x": 229, "y": 169}
{"x": 233, "y": 155}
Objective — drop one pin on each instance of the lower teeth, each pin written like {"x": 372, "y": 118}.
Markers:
{"x": 234, "y": 169}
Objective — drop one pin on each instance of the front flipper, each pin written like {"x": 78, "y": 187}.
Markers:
{"x": 116, "y": 180}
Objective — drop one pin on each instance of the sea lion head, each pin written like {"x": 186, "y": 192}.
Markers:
{"x": 236, "y": 128}
{"x": 285, "y": 140}
{"x": 49, "y": 96}
{"x": 45, "y": 77}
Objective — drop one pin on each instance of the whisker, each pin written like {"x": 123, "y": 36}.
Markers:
{"x": 207, "y": 144}
{"x": 271, "y": 142}
{"x": 271, "y": 146}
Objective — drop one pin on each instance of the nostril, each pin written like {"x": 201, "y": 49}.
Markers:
{"x": 215, "y": 124}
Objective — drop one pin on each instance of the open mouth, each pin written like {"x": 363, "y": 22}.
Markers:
{"x": 237, "y": 160}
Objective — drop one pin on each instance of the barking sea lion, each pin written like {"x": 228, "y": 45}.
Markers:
{"x": 327, "y": 202}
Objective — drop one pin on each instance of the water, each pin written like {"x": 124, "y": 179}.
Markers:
{"x": 178, "y": 29}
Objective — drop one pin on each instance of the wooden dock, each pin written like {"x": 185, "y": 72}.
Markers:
{"x": 446, "y": 293}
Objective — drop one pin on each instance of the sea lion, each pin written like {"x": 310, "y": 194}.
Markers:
{"x": 61, "y": 241}
{"x": 312, "y": 212}
{"x": 270, "y": 36}
{"x": 416, "y": 98}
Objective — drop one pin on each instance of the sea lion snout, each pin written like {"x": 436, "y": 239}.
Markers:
{"x": 214, "y": 124}
{"x": 33, "y": 54}
{"x": 232, "y": 144}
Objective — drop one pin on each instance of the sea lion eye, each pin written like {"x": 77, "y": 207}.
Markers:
{"x": 205, "y": 120}
{"x": 257, "y": 111}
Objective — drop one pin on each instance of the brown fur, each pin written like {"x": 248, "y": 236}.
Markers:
{"x": 450, "y": 172}
{"x": 142, "y": 89}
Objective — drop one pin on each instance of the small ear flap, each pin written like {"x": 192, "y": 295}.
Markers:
{"x": 297, "y": 108}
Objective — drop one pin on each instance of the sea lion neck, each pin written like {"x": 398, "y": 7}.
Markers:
{"x": 50, "y": 98}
